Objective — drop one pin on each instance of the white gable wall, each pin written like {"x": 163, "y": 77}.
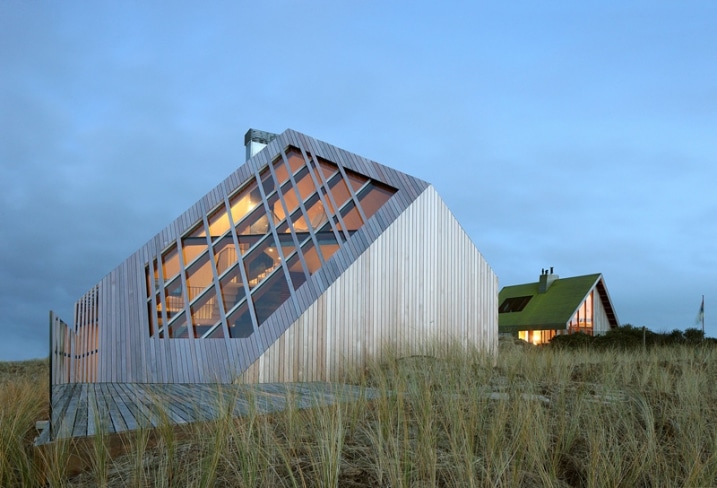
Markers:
{"x": 422, "y": 280}
{"x": 602, "y": 323}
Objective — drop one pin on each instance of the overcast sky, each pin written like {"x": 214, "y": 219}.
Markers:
{"x": 579, "y": 135}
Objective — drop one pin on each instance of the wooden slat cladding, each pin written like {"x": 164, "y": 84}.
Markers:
{"x": 421, "y": 281}
{"x": 61, "y": 343}
{"x": 111, "y": 340}
{"x": 74, "y": 350}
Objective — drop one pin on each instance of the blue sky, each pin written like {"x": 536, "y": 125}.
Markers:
{"x": 579, "y": 135}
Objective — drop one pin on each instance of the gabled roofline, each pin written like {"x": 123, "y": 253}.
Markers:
{"x": 514, "y": 324}
{"x": 607, "y": 303}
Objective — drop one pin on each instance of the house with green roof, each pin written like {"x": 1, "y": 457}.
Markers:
{"x": 537, "y": 312}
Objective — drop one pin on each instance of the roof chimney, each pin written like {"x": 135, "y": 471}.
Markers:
{"x": 256, "y": 140}
{"x": 546, "y": 279}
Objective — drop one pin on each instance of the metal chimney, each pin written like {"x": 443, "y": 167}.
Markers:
{"x": 546, "y": 279}
{"x": 256, "y": 140}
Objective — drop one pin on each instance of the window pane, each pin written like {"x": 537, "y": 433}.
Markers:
{"x": 330, "y": 208}
{"x": 194, "y": 244}
{"x": 174, "y": 298}
{"x": 261, "y": 262}
{"x": 199, "y": 276}
{"x": 217, "y": 333}
{"x": 244, "y": 202}
{"x": 283, "y": 228}
{"x": 282, "y": 174}
{"x": 290, "y": 197}
{"x": 300, "y": 225}
{"x": 338, "y": 225}
{"x": 270, "y": 297}
{"x": 287, "y": 244}
{"x": 304, "y": 184}
{"x": 514, "y": 304}
{"x": 232, "y": 289}
{"x": 225, "y": 254}
{"x": 316, "y": 213}
{"x": 170, "y": 263}
{"x": 351, "y": 217}
{"x": 356, "y": 180}
{"x": 253, "y": 229}
{"x": 327, "y": 242}
{"x": 327, "y": 169}
{"x": 178, "y": 328}
{"x": 339, "y": 190}
{"x": 267, "y": 182}
{"x": 296, "y": 271}
{"x": 193, "y": 247}
{"x": 218, "y": 222}
{"x": 158, "y": 311}
{"x": 239, "y": 322}
{"x": 373, "y": 197}
{"x": 311, "y": 256}
{"x": 256, "y": 224}
{"x": 149, "y": 281}
{"x": 296, "y": 160}
{"x": 152, "y": 314}
{"x": 277, "y": 210}
{"x": 205, "y": 313}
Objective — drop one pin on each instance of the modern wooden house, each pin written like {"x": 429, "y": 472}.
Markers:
{"x": 537, "y": 312}
{"x": 305, "y": 261}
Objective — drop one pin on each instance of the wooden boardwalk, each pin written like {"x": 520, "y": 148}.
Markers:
{"x": 86, "y": 409}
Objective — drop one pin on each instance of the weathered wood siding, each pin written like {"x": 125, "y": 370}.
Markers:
{"x": 61, "y": 350}
{"x": 422, "y": 280}
{"x": 425, "y": 280}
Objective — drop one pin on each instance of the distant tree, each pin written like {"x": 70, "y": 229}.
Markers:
{"x": 676, "y": 336}
{"x": 693, "y": 335}
{"x": 571, "y": 341}
{"x": 628, "y": 336}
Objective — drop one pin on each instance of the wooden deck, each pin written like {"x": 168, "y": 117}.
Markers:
{"x": 86, "y": 409}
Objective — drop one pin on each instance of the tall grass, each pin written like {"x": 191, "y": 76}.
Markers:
{"x": 23, "y": 400}
{"x": 539, "y": 417}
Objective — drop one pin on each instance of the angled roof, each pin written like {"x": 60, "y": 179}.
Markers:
{"x": 554, "y": 308}
{"x": 277, "y": 224}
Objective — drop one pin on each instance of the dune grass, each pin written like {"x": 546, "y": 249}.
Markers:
{"x": 538, "y": 417}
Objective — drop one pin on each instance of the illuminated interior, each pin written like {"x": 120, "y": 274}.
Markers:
{"x": 582, "y": 321}
{"x": 238, "y": 264}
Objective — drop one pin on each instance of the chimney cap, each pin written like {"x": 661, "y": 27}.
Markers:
{"x": 254, "y": 135}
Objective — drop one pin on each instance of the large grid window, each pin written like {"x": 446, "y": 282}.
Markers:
{"x": 582, "y": 321}
{"x": 240, "y": 263}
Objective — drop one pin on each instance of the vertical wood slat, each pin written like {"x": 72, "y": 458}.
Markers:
{"x": 125, "y": 352}
{"x": 422, "y": 280}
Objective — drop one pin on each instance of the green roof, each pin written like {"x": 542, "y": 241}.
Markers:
{"x": 544, "y": 311}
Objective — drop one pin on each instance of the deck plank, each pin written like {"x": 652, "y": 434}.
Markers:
{"x": 86, "y": 409}
{"x": 67, "y": 420}
{"x": 171, "y": 405}
{"x": 122, "y": 401}
{"x": 137, "y": 396}
{"x": 112, "y": 400}
{"x": 128, "y": 394}
{"x": 92, "y": 412}
{"x": 103, "y": 420}
{"x": 79, "y": 429}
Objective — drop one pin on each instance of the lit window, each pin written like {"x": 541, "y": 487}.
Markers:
{"x": 243, "y": 281}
